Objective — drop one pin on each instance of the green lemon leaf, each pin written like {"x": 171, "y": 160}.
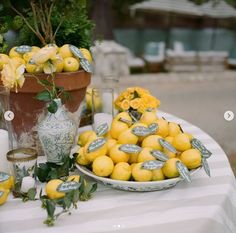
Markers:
{"x": 44, "y": 96}
{"x": 52, "y": 108}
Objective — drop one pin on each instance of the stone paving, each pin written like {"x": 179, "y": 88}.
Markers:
{"x": 200, "y": 98}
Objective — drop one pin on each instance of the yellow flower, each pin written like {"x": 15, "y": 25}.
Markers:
{"x": 125, "y": 105}
{"x": 12, "y": 76}
{"x": 47, "y": 57}
{"x": 135, "y": 103}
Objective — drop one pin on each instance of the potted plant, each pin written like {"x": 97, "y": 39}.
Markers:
{"x": 41, "y": 76}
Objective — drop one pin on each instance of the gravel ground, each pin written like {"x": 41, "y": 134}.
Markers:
{"x": 199, "y": 98}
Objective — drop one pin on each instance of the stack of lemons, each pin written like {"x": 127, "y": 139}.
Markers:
{"x": 6, "y": 184}
{"x": 107, "y": 154}
{"x": 67, "y": 62}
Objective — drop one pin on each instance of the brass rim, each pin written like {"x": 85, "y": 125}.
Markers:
{"x": 29, "y": 154}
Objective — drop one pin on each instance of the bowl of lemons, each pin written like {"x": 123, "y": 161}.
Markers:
{"x": 140, "y": 156}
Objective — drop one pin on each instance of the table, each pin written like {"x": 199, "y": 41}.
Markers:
{"x": 207, "y": 205}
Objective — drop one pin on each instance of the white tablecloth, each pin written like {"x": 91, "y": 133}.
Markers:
{"x": 207, "y": 205}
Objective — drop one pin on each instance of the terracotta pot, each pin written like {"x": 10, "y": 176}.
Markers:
{"x": 28, "y": 109}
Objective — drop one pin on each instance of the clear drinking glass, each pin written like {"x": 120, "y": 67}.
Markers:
{"x": 23, "y": 165}
{"x": 102, "y": 106}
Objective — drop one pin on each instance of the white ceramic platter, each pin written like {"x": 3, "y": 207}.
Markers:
{"x": 132, "y": 185}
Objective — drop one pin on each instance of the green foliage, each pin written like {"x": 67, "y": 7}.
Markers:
{"x": 47, "y": 171}
{"x": 83, "y": 192}
{"x": 68, "y": 17}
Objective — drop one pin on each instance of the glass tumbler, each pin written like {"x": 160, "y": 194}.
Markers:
{"x": 102, "y": 106}
{"x": 23, "y": 166}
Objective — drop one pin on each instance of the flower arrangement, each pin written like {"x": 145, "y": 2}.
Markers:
{"x": 136, "y": 99}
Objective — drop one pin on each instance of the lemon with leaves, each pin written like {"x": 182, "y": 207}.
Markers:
{"x": 103, "y": 166}
{"x": 123, "y": 115}
{"x": 51, "y": 189}
{"x": 65, "y": 51}
{"x": 163, "y": 127}
{"x": 145, "y": 155}
{"x": 140, "y": 174}
{"x": 95, "y": 148}
{"x": 157, "y": 175}
{"x": 14, "y": 53}
{"x": 117, "y": 127}
{"x": 170, "y": 169}
{"x": 80, "y": 158}
{"x": 148, "y": 117}
{"x": 182, "y": 142}
{"x": 84, "y": 137}
{"x": 152, "y": 141}
{"x": 127, "y": 137}
{"x": 117, "y": 155}
{"x": 174, "y": 129}
{"x": 3, "y": 195}
{"x": 121, "y": 171}
{"x": 191, "y": 158}
{"x": 6, "y": 181}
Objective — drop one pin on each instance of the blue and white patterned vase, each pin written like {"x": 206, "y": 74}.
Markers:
{"x": 57, "y": 134}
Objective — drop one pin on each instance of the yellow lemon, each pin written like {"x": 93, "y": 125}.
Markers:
{"x": 132, "y": 166}
{"x": 65, "y": 51}
{"x": 51, "y": 189}
{"x": 17, "y": 61}
{"x": 59, "y": 64}
{"x": 81, "y": 159}
{"x": 191, "y": 158}
{"x": 152, "y": 141}
{"x": 117, "y": 155}
{"x": 86, "y": 54}
{"x": 3, "y": 195}
{"x": 70, "y": 64}
{"x": 181, "y": 142}
{"x": 140, "y": 174}
{"x": 137, "y": 124}
{"x": 123, "y": 115}
{"x": 103, "y": 166}
{"x": 3, "y": 60}
{"x": 133, "y": 158}
{"x": 170, "y": 169}
{"x": 157, "y": 174}
{"x": 163, "y": 128}
{"x": 110, "y": 143}
{"x": 84, "y": 137}
{"x": 28, "y": 56}
{"x": 169, "y": 153}
{"x": 174, "y": 129}
{"x": 117, "y": 127}
{"x": 190, "y": 136}
{"x": 148, "y": 117}
{"x": 73, "y": 178}
{"x": 13, "y": 53}
{"x": 127, "y": 137}
{"x": 145, "y": 155}
{"x": 169, "y": 139}
{"x": 35, "y": 49}
{"x": 91, "y": 155}
{"x": 121, "y": 171}
{"x": 6, "y": 181}
{"x": 30, "y": 68}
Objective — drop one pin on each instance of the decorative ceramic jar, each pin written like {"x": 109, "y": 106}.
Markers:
{"x": 57, "y": 134}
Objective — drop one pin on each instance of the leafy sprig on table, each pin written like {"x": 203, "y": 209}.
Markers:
{"x": 47, "y": 171}
{"x": 68, "y": 202}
